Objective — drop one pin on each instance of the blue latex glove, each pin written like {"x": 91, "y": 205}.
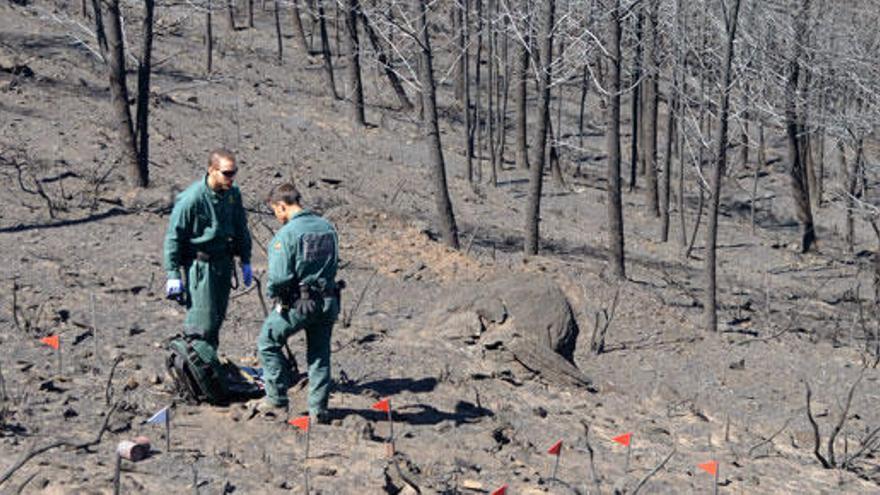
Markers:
{"x": 173, "y": 288}
{"x": 247, "y": 274}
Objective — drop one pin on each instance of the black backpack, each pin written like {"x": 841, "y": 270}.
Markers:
{"x": 200, "y": 376}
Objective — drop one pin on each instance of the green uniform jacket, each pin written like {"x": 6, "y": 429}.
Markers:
{"x": 207, "y": 221}
{"x": 305, "y": 250}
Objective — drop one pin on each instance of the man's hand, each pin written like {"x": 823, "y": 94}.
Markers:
{"x": 304, "y": 307}
{"x": 247, "y": 274}
{"x": 173, "y": 288}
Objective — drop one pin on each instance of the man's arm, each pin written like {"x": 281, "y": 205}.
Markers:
{"x": 176, "y": 237}
{"x": 243, "y": 235}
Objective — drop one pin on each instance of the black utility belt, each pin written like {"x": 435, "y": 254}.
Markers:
{"x": 206, "y": 256}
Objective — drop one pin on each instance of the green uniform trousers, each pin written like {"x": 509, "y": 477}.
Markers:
{"x": 277, "y": 328}
{"x": 208, "y": 284}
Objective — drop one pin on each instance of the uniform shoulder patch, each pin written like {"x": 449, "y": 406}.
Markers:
{"x": 277, "y": 246}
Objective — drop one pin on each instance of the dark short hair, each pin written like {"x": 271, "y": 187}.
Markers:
{"x": 285, "y": 193}
{"x": 217, "y": 155}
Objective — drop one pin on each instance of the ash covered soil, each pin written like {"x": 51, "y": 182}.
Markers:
{"x": 469, "y": 416}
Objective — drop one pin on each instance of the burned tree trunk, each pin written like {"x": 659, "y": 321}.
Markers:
{"x": 536, "y": 176}
{"x": 280, "y": 45}
{"x": 793, "y": 127}
{"x": 522, "y": 79}
{"x": 325, "y": 50}
{"x": 650, "y": 117}
{"x": 464, "y": 14}
{"x": 299, "y": 33}
{"x": 710, "y": 305}
{"x": 230, "y": 15}
{"x": 612, "y": 143}
{"x": 636, "y": 99}
{"x": 393, "y": 79}
{"x": 209, "y": 39}
{"x": 143, "y": 95}
{"x": 585, "y": 86}
{"x": 667, "y": 170}
{"x": 354, "y": 63}
{"x": 119, "y": 97}
{"x": 430, "y": 123}
{"x": 458, "y": 28}
{"x": 100, "y": 33}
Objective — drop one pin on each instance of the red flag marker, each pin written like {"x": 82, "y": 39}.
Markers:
{"x": 383, "y": 405}
{"x": 53, "y": 341}
{"x": 502, "y": 490}
{"x": 710, "y": 467}
{"x": 623, "y": 439}
{"x": 301, "y": 422}
{"x": 556, "y": 450}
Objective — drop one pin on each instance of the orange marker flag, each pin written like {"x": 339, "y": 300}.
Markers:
{"x": 53, "y": 341}
{"x": 502, "y": 490}
{"x": 623, "y": 439}
{"x": 383, "y": 405}
{"x": 555, "y": 449}
{"x": 301, "y": 422}
{"x": 710, "y": 467}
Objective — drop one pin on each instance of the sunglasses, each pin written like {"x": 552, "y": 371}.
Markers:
{"x": 229, "y": 173}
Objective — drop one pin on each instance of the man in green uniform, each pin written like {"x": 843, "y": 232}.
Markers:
{"x": 303, "y": 257}
{"x": 208, "y": 227}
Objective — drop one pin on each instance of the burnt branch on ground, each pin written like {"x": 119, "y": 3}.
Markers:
{"x": 603, "y": 320}
{"x": 36, "y": 451}
{"x": 829, "y": 460}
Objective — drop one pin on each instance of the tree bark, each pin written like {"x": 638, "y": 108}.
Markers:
{"x": 612, "y": 142}
{"x": 251, "y": 13}
{"x": 710, "y": 308}
{"x": 119, "y": 97}
{"x": 448, "y": 228}
{"x": 354, "y": 63}
{"x": 536, "y": 179}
